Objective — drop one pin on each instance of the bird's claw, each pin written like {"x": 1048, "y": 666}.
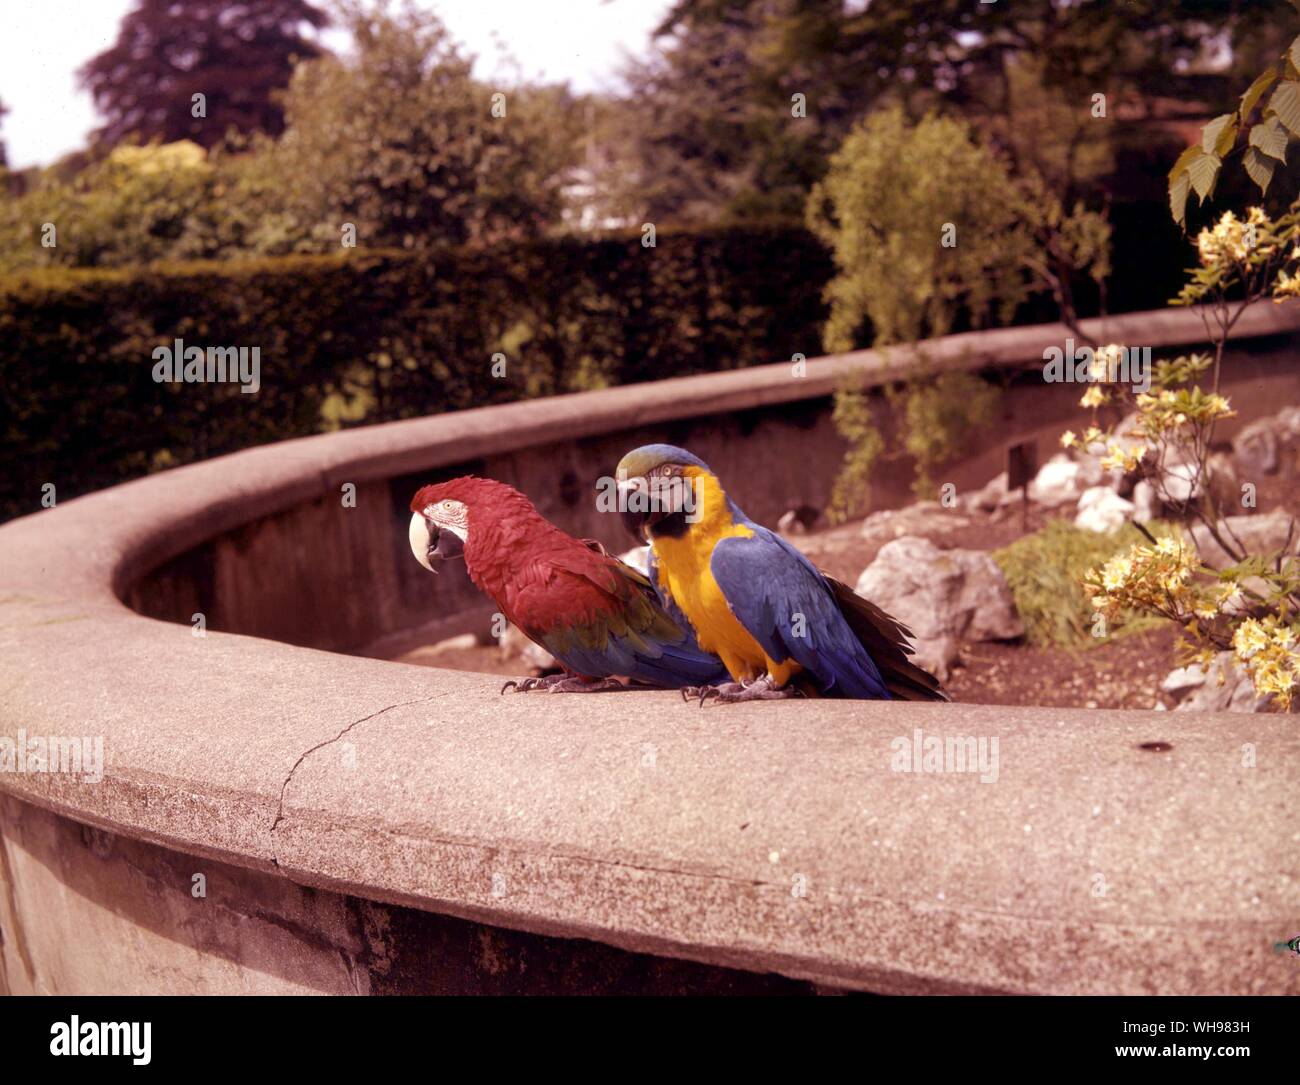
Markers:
{"x": 699, "y": 693}
{"x": 563, "y": 683}
{"x": 523, "y": 685}
{"x": 760, "y": 689}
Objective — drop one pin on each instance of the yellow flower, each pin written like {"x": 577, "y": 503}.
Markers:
{"x": 1218, "y": 406}
{"x": 1105, "y": 361}
{"x": 1249, "y": 638}
{"x": 1229, "y": 596}
{"x": 1068, "y": 439}
{"x": 1093, "y": 397}
{"x": 1116, "y": 572}
{"x": 1121, "y": 459}
{"x": 1286, "y": 286}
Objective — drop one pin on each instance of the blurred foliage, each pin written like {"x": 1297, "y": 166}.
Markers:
{"x": 236, "y": 53}
{"x": 926, "y": 224}
{"x": 705, "y": 132}
{"x": 942, "y": 417}
{"x": 939, "y": 416}
{"x": 401, "y": 141}
{"x": 135, "y": 206}
{"x": 374, "y": 336}
{"x": 393, "y": 147}
{"x": 927, "y": 228}
{"x": 1045, "y": 572}
{"x": 716, "y": 103}
{"x": 1265, "y": 120}
{"x": 854, "y": 420}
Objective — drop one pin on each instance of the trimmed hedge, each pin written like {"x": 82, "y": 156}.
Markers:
{"x": 367, "y": 337}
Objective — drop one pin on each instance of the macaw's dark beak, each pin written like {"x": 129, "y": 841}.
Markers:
{"x": 636, "y": 510}
{"x": 635, "y": 522}
{"x": 429, "y": 543}
{"x": 445, "y": 544}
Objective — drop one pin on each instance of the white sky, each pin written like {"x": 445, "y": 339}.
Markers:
{"x": 43, "y": 42}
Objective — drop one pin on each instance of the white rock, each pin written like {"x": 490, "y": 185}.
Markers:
{"x": 1235, "y": 694}
{"x": 1182, "y": 680}
{"x": 798, "y": 521}
{"x": 1102, "y": 510}
{"x": 943, "y": 596}
{"x": 1146, "y": 505}
{"x": 989, "y": 497}
{"x": 1059, "y": 480}
{"x": 515, "y": 645}
{"x": 1256, "y": 448}
{"x": 1180, "y": 480}
{"x": 1262, "y": 534}
{"x": 924, "y": 516}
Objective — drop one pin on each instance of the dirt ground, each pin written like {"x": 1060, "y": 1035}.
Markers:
{"x": 1122, "y": 673}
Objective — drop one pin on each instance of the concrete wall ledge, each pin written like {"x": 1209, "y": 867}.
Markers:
{"x": 767, "y": 837}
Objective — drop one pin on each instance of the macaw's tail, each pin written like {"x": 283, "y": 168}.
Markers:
{"x": 887, "y": 641}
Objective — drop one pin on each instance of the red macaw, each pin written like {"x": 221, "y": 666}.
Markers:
{"x": 596, "y": 615}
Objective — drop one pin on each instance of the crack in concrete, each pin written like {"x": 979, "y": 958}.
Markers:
{"x": 284, "y": 787}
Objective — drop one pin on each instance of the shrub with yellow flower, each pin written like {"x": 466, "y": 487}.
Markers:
{"x": 1251, "y": 608}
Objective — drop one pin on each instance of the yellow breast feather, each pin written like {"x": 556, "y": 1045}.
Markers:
{"x": 685, "y": 570}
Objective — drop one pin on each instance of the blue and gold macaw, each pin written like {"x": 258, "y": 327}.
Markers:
{"x": 781, "y": 627}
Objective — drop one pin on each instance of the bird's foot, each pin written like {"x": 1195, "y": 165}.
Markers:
{"x": 760, "y": 689}
{"x": 563, "y": 683}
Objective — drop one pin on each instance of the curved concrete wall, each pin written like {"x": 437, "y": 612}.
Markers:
{"x": 362, "y": 825}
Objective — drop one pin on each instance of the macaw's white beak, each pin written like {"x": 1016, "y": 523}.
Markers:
{"x": 421, "y": 540}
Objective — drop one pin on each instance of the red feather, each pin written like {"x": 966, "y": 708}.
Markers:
{"x": 541, "y": 577}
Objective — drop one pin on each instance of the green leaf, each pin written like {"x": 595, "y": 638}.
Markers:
{"x": 1204, "y": 171}
{"x": 1286, "y": 104}
{"x": 1178, "y": 198}
{"x": 1270, "y": 137}
{"x": 1256, "y": 91}
{"x": 1212, "y": 132}
{"x": 1260, "y": 168}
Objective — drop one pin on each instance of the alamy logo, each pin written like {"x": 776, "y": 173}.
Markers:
{"x": 667, "y": 494}
{"x": 56, "y": 753}
{"x": 77, "y": 1037}
{"x": 1083, "y": 365}
{"x": 953, "y": 753}
{"x": 179, "y": 364}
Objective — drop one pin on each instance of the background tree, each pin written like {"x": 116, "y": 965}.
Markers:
{"x": 927, "y": 226}
{"x": 849, "y": 59}
{"x": 400, "y": 140}
{"x": 237, "y": 53}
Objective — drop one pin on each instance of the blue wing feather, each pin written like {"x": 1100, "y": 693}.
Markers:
{"x": 768, "y": 585}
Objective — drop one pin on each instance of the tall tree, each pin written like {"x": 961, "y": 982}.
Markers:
{"x": 399, "y": 139}
{"x": 717, "y": 102}
{"x": 235, "y": 54}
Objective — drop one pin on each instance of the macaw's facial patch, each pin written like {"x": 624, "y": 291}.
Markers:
{"x": 451, "y": 516}
{"x": 667, "y": 495}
